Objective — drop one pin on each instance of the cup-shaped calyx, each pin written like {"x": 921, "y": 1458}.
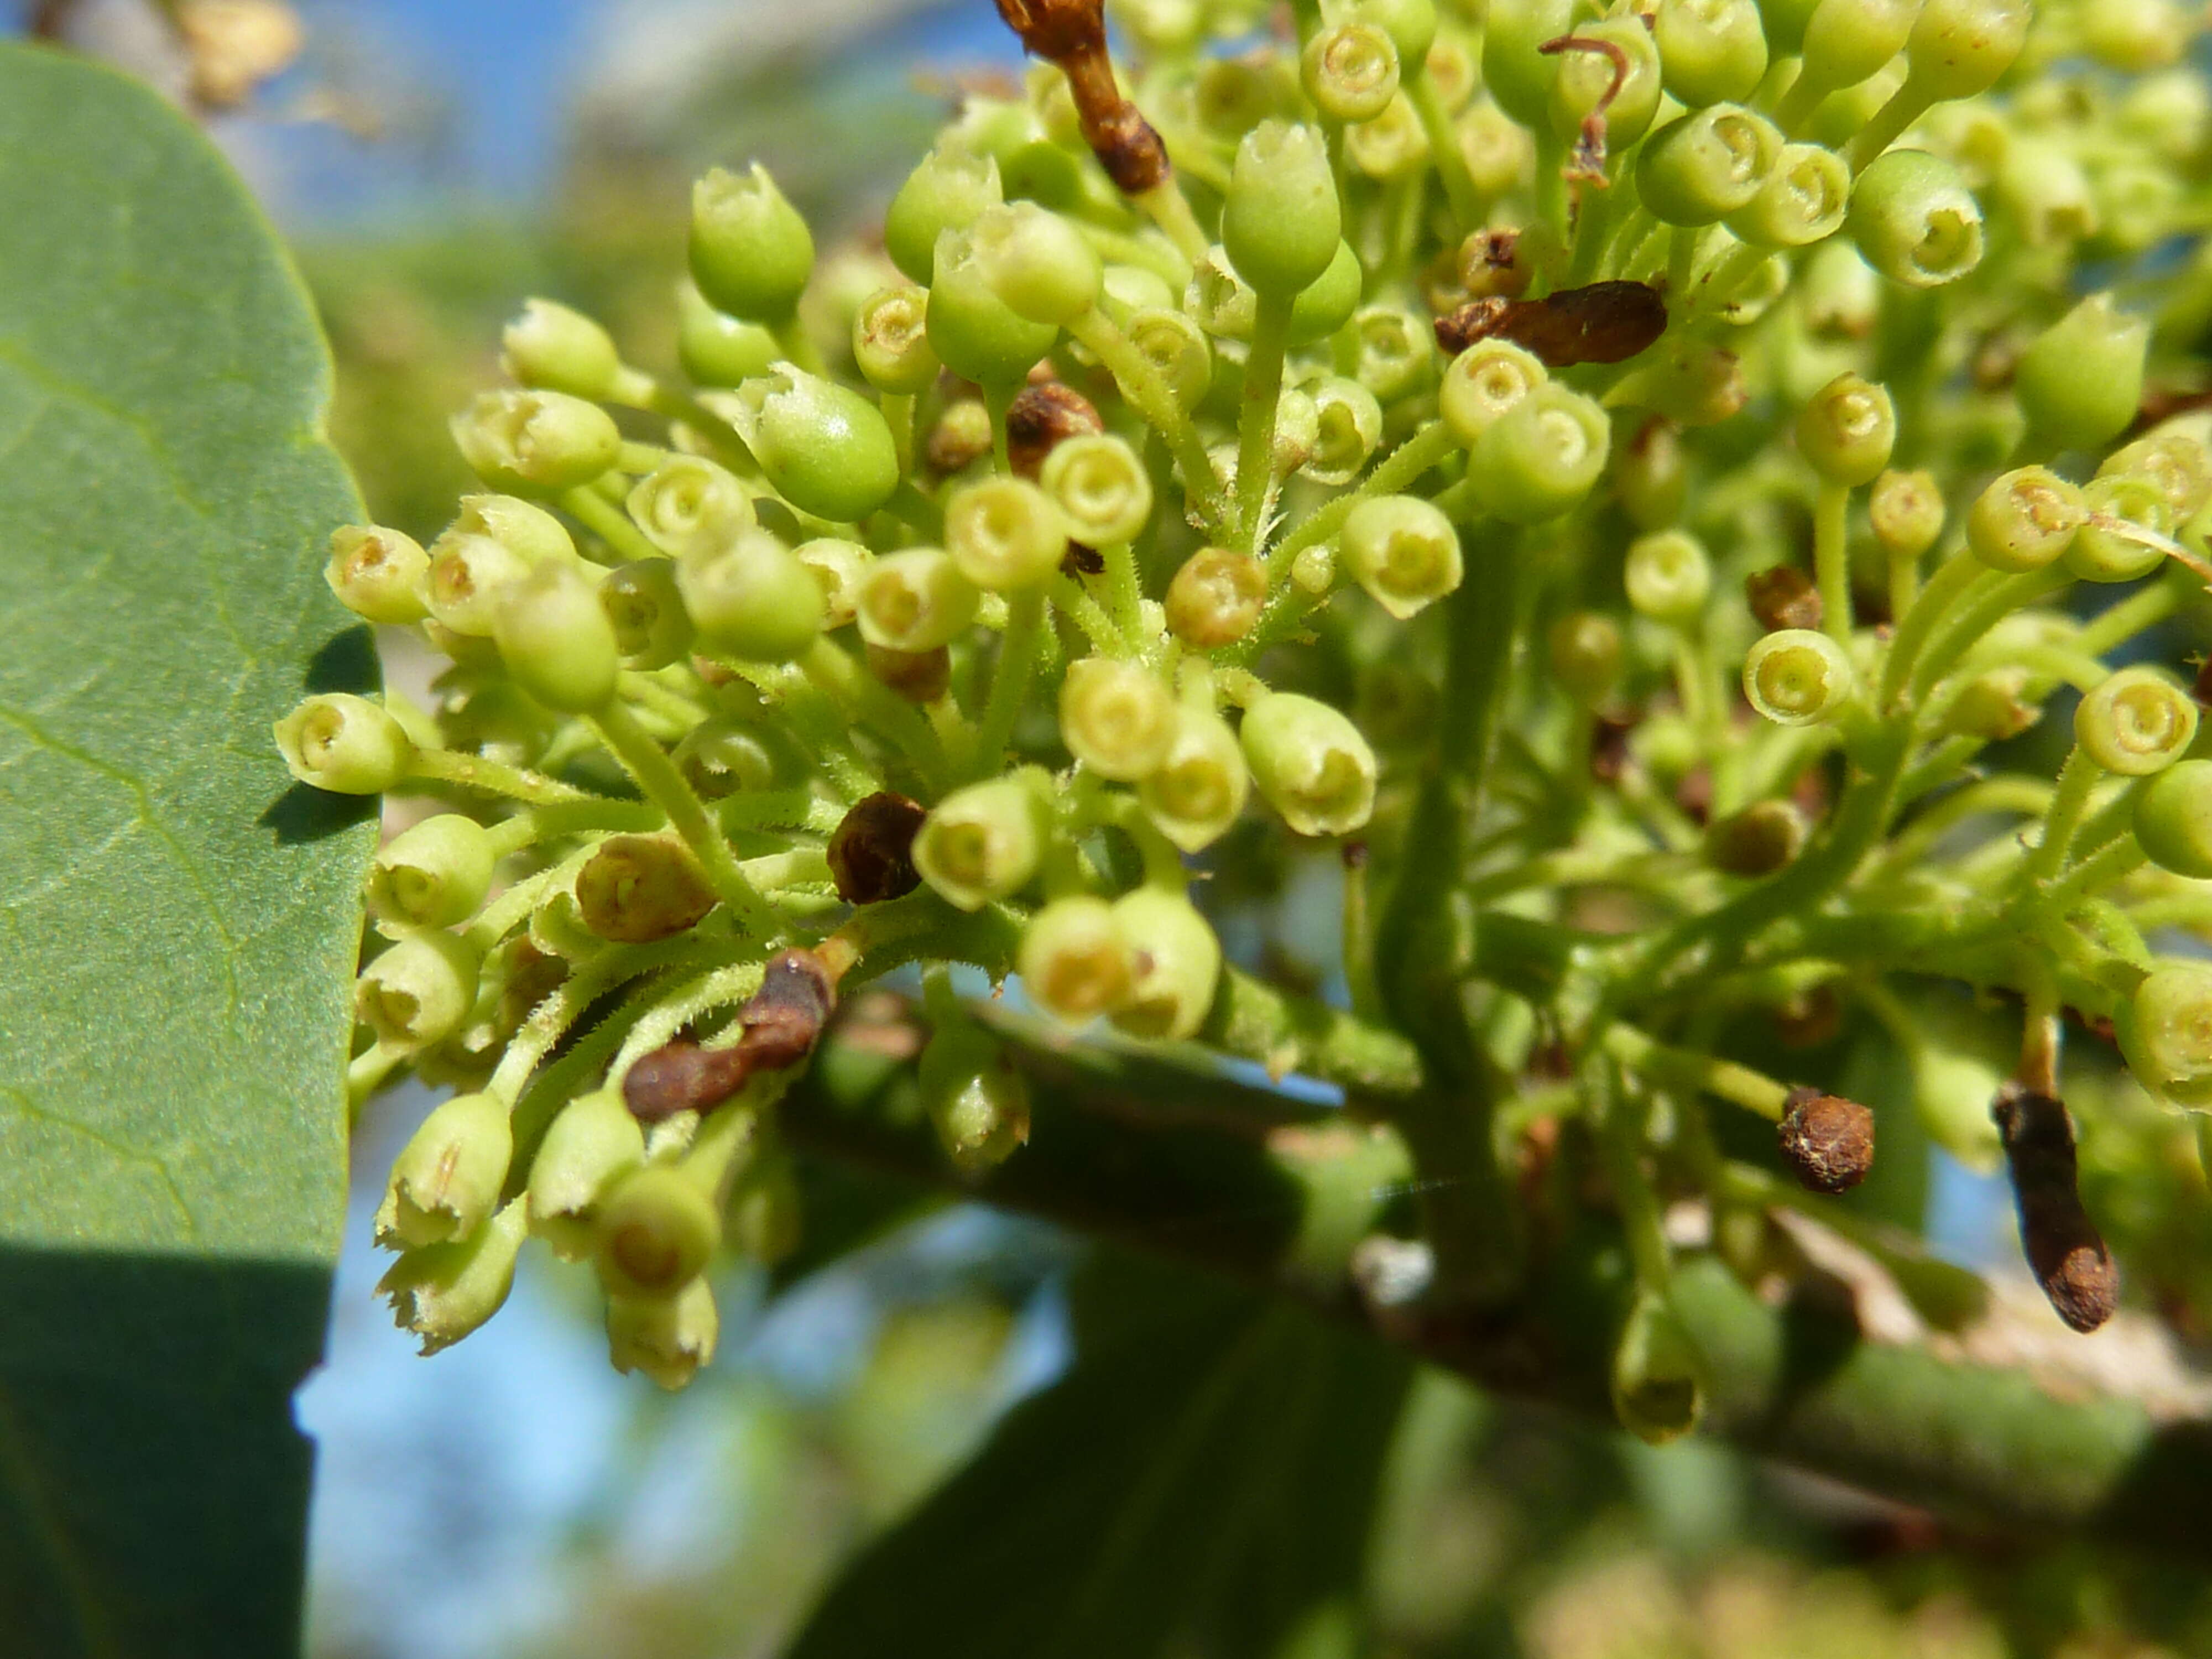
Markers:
{"x": 983, "y": 842}
{"x": 446, "y": 1182}
{"x": 344, "y": 744}
{"x": 2135, "y": 721}
{"x": 1310, "y": 764}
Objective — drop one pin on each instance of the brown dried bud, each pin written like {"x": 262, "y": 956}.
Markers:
{"x": 781, "y": 1023}
{"x": 2203, "y": 691}
{"x": 1827, "y": 1141}
{"x": 1043, "y": 416}
{"x": 917, "y": 675}
{"x": 2064, "y": 1250}
{"x": 1757, "y": 841}
{"x": 1082, "y": 560}
{"x": 1609, "y": 757}
{"x": 1215, "y": 598}
{"x": 1602, "y": 323}
{"x": 1490, "y": 266}
{"x": 681, "y": 1076}
{"x": 872, "y": 853}
{"x": 532, "y": 975}
{"x": 1783, "y": 596}
{"x": 636, "y": 889}
{"x": 1072, "y": 34}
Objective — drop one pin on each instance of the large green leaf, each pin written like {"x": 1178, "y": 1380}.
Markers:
{"x": 1200, "y": 1482}
{"x": 176, "y": 924}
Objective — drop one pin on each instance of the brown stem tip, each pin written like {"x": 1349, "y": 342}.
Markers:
{"x": 781, "y": 1022}
{"x": 1827, "y": 1141}
{"x": 1605, "y": 322}
{"x": 1071, "y": 35}
{"x": 2064, "y": 1250}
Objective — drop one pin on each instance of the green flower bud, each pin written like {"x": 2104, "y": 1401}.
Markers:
{"x": 381, "y": 575}
{"x": 752, "y": 252}
{"x": 1483, "y": 382}
{"x": 1797, "y": 678}
{"x": 1397, "y": 352}
{"x": 1351, "y": 72}
{"x": 1838, "y": 295}
{"x": 719, "y": 757}
{"x": 1847, "y": 40}
{"x": 469, "y": 575}
{"x": 554, "y": 348}
{"x": 645, "y": 608}
{"x": 1281, "y": 222}
{"x": 1215, "y": 598}
{"x": 1515, "y": 69}
{"x": 1708, "y": 164}
{"x": 1177, "y": 961}
{"x": 891, "y": 342}
{"x": 669, "y": 1338}
{"x": 654, "y": 1232}
{"x": 1668, "y": 575}
{"x": 1756, "y": 842}
{"x": 753, "y": 600}
{"x": 916, "y": 600}
{"x": 1583, "y": 649}
{"x": 1906, "y": 510}
{"x": 2165, "y": 1032}
{"x": 1914, "y": 219}
{"x": 1311, "y": 764}
{"x": 1653, "y": 476}
{"x": 716, "y": 350}
{"x": 1959, "y": 48}
{"x": 1325, "y": 304}
{"x": 1658, "y": 1385}
{"x": 826, "y": 448}
{"x": 1036, "y": 263}
{"x": 523, "y": 528}
{"x": 1101, "y": 488}
{"x": 1116, "y": 718}
{"x": 978, "y": 1103}
{"x": 1587, "y": 80}
{"x": 1073, "y": 962}
{"x": 1199, "y": 790}
{"x": 982, "y": 843}
{"x": 1499, "y": 152}
{"x": 2104, "y": 550}
{"x": 535, "y": 443}
{"x": 636, "y": 889}
{"x": 839, "y": 568}
{"x": 977, "y": 335}
{"x": 2080, "y": 383}
{"x": 343, "y": 744}
{"x": 2025, "y": 520}
{"x": 688, "y": 505}
{"x": 946, "y": 192}
{"x": 2136, "y": 722}
{"x": 443, "y": 1292}
{"x": 1847, "y": 429}
{"x": 1005, "y": 534}
{"x": 1233, "y": 95}
{"x": 1710, "y": 52}
{"x": 1403, "y": 551}
{"x": 1411, "y": 25}
{"x": 2174, "y": 462}
{"x": 592, "y": 1143}
{"x": 1541, "y": 457}
{"x": 445, "y": 1182}
{"x": 419, "y": 991}
{"x": 556, "y": 638}
{"x": 1992, "y": 706}
{"x": 1802, "y": 201}
{"x": 433, "y": 874}
{"x": 2173, "y": 819}
{"x": 1349, "y": 429}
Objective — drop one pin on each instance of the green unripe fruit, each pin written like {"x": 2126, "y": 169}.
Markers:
{"x": 1710, "y": 163}
{"x": 655, "y": 1232}
{"x": 1583, "y": 649}
{"x": 344, "y": 744}
{"x": 1803, "y": 200}
{"x": 2165, "y": 1032}
{"x": 1037, "y": 264}
{"x": 1199, "y": 788}
{"x": 433, "y": 874}
{"x": 379, "y": 574}
{"x": 556, "y": 640}
{"x": 446, "y": 1182}
{"x": 1710, "y": 52}
{"x": 2025, "y": 520}
{"x": 2136, "y": 722}
{"x": 2173, "y": 819}
{"x": 891, "y": 342}
{"x": 1326, "y": 303}
{"x": 1797, "y": 678}
{"x": 753, "y": 600}
{"x": 1959, "y": 48}
{"x": 1847, "y": 40}
{"x": 826, "y": 448}
{"x": 669, "y": 1338}
{"x": 982, "y": 843}
{"x": 535, "y": 443}
{"x": 1585, "y": 80}
{"x": 419, "y": 991}
{"x": 441, "y": 1292}
{"x": 1281, "y": 223}
{"x": 946, "y": 192}
{"x": 975, "y": 332}
{"x": 1483, "y": 382}
{"x": 1541, "y": 457}
{"x": 1351, "y": 72}
{"x": 1914, "y": 219}
{"x": 1005, "y": 534}
{"x": 1668, "y": 575}
{"x": 1116, "y": 717}
{"x": 1403, "y": 551}
{"x": 1073, "y": 961}
{"x": 1847, "y": 429}
{"x": 2080, "y": 383}
{"x": 977, "y": 1102}
{"x": 592, "y": 1143}
{"x": 1516, "y": 73}
{"x": 1177, "y": 964}
{"x": 1309, "y": 763}
{"x": 555, "y": 348}
{"x": 2124, "y": 537}
{"x": 717, "y": 349}
{"x": 914, "y": 600}
{"x": 752, "y": 252}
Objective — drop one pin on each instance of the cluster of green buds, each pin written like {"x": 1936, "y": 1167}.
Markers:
{"x": 1613, "y": 472}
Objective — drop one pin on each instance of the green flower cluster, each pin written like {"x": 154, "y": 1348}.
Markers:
{"x": 1414, "y": 431}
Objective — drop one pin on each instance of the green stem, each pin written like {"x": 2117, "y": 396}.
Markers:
{"x": 1394, "y": 473}
{"x": 2077, "y": 778}
{"x": 1255, "y": 414}
{"x": 610, "y": 524}
{"x": 2120, "y": 623}
{"x": 1906, "y": 106}
{"x": 1973, "y": 620}
{"x": 491, "y": 777}
{"x": 1155, "y": 401}
{"x": 1722, "y": 1078}
{"x": 1010, "y": 681}
{"x": 1831, "y": 567}
{"x": 998, "y": 400}
{"x": 656, "y": 775}
{"x": 1445, "y": 153}
{"x": 861, "y": 696}
{"x": 1958, "y": 575}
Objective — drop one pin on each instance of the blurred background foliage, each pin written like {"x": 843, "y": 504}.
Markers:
{"x": 435, "y": 162}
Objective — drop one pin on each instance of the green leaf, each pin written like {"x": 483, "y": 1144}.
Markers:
{"x": 1200, "y": 1481}
{"x": 178, "y": 923}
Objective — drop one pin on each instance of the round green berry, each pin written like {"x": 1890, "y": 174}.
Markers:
{"x": 826, "y": 448}
{"x": 1281, "y": 224}
{"x": 752, "y": 252}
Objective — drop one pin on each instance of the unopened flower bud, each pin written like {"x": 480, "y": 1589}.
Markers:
{"x": 752, "y": 252}
{"x": 556, "y": 640}
{"x": 1584, "y": 650}
{"x": 1992, "y": 706}
{"x": 1175, "y": 964}
{"x": 891, "y": 342}
{"x": 592, "y": 1143}
{"x": 551, "y": 348}
{"x": 753, "y": 600}
{"x": 2080, "y": 382}
{"x": 433, "y": 874}
{"x": 1037, "y": 262}
{"x": 1658, "y": 1383}
{"x": 826, "y": 448}
{"x": 1756, "y": 842}
{"x": 2173, "y": 819}
{"x": 1311, "y": 764}
{"x": 1906, "y": 510}
{"x": 946, "y": 192}
{"x": 982, "y": 843}
{"x": 669, "y": 1338}
{"x": 978, "y": 1103}
{"x": 1959, "y": 48}
{"x": 1710, "y": 52}
{"x": 1617, "y": 96}
{"x": 344, "y": 744}
{"x": 1846, "y": 430}
{"x": 2123, "y": 536}
{"x": 377, "y": 573}
{"x": 535, "y": 443}
{"x": 1281, "y": 222}
{"x": 975, "y": 333}
{"x": 1668, "y": 575}
{"x": 1215, "y": 598}
{"x": 441, "y": 1292}
{"x": 717, "y": 349}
